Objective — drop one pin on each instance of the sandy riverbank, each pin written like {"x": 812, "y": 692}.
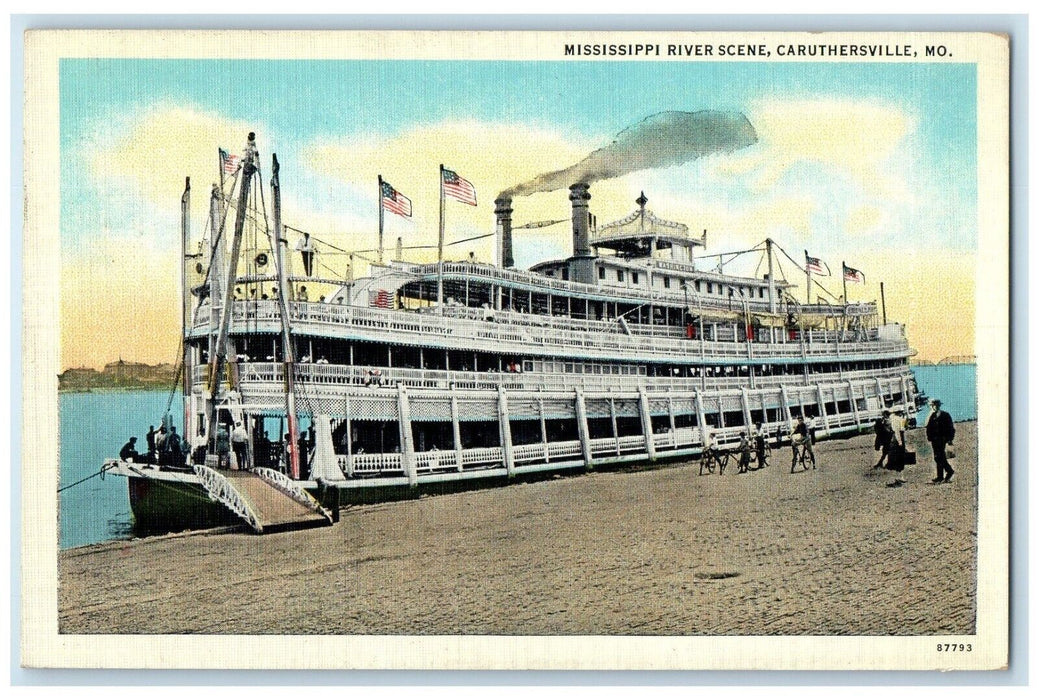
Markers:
{"x": 661, "y": 551}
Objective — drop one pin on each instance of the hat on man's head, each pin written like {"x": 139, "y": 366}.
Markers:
{"x": 887, "y": 412}
{"x": 936, "y": 403}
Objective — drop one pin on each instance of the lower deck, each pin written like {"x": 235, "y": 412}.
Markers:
{"x": 398, "y": 434}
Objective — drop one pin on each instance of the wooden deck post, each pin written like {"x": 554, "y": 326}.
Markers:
{"x": 647, "y": 423}
{"x": 506, "y": 432}
{"x": 745, "y": 401}
{"x": 582, "y": 427}
{"x": 407, "y": 450}
{"x": 544, "y": 428}
{"x": 854, "y": 404}
{"x": 456, "y": 431}
{"x": 701, "y": 416}
{"x": 822, "y": 407}
{"x": 786, "y": 406}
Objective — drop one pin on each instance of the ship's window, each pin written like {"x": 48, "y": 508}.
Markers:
{"x": 602, "y": 273}
{"x": 642, "y": 371}
{"x": 667, "y": 282}
{"x": 634, "y": 278}
{"x": 565, "y": 273}
{"x": 697, "y": 285}
{"x": 569, "y": 368}
{"x": 761, "y": 293}
{"x": 710, "y": 288}
{"x": 528, "y": 366}
{"x": 620, "y": 275}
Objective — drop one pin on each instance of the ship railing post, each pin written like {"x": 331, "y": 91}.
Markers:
{"x": 822, "y": 407}
{"x": 647, "y": 423}
{"x": 786, "y": 406}
{"x": 506, "y": 432}
{"x": 613, "y": 423}
{"x": 456, "y": 430}
{"x": 407, "y": 450}
{"x": 544, "y": 428}
{"x": 880, "y": 392}
{"x": 582, "y": 427}
{"x": 701, "y": 415}
{"x": 671, "y": 419}
{"x": 745, "y": 400}
{"x": 854, "y": 404}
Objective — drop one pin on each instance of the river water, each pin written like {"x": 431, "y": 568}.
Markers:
{"x": 94, "y": 425}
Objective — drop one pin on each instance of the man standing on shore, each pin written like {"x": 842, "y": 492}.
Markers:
{"x": 940, "y": 432}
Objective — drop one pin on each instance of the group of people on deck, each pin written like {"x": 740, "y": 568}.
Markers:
{"x": 165, "y": 448}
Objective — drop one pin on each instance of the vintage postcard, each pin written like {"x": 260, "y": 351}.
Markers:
{"x": 515, "y": 350}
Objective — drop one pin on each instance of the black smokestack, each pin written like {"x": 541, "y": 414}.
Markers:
{"x": 661, "y": 140}
{"x": 503, "y": 212}
{"x": 579, "y": 207}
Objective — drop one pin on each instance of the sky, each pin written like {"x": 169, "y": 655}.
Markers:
{"x": 874, "y": 165}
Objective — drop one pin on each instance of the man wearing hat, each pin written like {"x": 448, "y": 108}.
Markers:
{"x": 940, "y": 432}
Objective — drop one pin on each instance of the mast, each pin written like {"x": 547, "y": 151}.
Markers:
{"x": 844, "y": 281}
{"x": 288, "y": 356}
{"x": 185, "y": 232}
{"x": 440, "y": 249}
{"x": 771, "y": 279}
{"x": 216, "y": 267}
{"x": 218, "y": 360}
{"x": 883, "y": 304}
{"x": 380, "y": 217}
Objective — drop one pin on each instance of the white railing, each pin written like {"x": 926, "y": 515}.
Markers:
{"x": 221, "y": 490}
{"x": 376, "y": 463}
{"x": 291, "y": 489}
{"x": 574, "y": 338}
{"x": 332, "y": 375}
{"x": 481, "y": 456}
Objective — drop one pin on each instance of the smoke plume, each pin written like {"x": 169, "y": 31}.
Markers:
{"x": 660, "y": 140}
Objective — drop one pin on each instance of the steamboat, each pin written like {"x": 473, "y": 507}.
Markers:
{"x": 300, "y": 387}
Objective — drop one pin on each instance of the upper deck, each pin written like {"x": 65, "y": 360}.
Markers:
{"x": 486, "y": 330}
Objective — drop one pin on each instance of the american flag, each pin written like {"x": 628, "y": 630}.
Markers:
{"x": 381, "y": 299}
{"x": 458, "y": 188}
{"x": 815, "y": 264}
{"x": 393, "y": 201}
{"x": 853, "y": 275}
{"x": 229, "y": 161}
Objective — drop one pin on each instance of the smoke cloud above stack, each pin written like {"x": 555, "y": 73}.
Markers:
{"x": 658, "y": 141}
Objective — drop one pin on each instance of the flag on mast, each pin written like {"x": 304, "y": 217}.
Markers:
{"x": 853, "y": 275}
{"x": 458, "y": 188}
{"x": 395, "y": 202}
{"x": 815, "y": 264}
{"x": 228, "y": 161}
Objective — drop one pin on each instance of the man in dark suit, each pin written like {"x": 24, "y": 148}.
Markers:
{"x": 940, "y": 432}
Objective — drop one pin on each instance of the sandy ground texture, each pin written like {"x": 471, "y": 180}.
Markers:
{"x": 656, "y": 551}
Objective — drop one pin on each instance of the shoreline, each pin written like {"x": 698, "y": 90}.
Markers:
{"x": 627, "y": 551}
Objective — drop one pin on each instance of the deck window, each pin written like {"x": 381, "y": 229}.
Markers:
{"x": 667, "y": 282}
{"x": 602, "y": 273}
{"x": 620, "y": 275}
{"x": 634, "y": 278}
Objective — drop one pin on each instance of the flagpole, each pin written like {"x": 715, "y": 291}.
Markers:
{"x": 440, "y": 248}
{"x": 844, "y": 279}
{"x": 883, "y": 304}
{"x": 380, "y": 220}
{"x": 808, "y": 273}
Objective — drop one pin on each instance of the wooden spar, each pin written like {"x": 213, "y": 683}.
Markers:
{"x": 216, "y": 267}
{"x": 218, "y": 360}
{"x": 883, "y": 304}
{"x": 185, "y": 232}
{"x": 771, "y": 279}
{"x": 288, "y": 355}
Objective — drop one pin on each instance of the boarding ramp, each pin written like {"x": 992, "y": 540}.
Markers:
{"x": 265, "y": 499}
